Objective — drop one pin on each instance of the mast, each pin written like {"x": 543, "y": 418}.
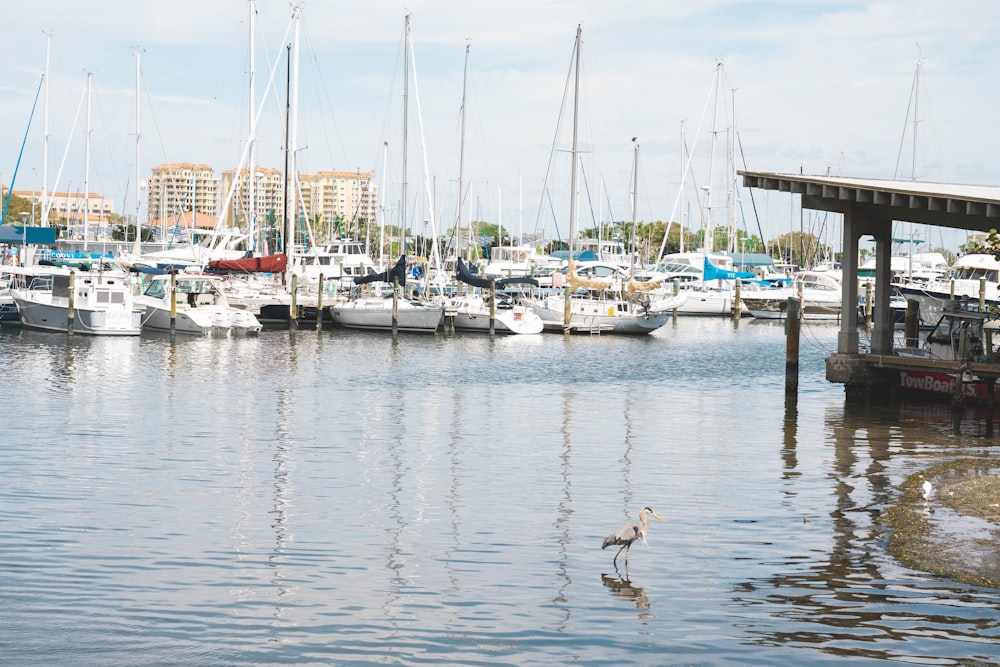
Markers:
{"x": 381, "y": 208}
{"x": 635, "y": 202}
{"x": 86, "y": 167}
{"x": 406, "y": 105}
{"x": 45, "y": 135}
{"x": 572, "y": 180}
{"x": 710, "y": 229}
{"x": 293, "y": 111}
{"x": 251, "y": 135}
{"x": 137, "y": 249}
{"x": 461, "y": 153}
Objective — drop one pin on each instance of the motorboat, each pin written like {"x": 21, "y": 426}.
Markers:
{"x": 192, "y": 303}
{"x": 89, "y": 301}
{"x": 820, "y": 291}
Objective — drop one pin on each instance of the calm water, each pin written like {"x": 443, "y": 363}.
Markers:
{"x": 336, "y": 498}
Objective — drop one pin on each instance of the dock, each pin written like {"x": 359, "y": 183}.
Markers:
{"x": 870, "y": 207}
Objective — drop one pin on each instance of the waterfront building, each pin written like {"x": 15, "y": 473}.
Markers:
{"x": 182, "y": 186}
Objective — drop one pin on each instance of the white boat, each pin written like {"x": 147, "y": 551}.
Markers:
{"x": 98, "y": 303}
{"x": 820, "y": 291}
{"x": 973, "y": 276}
{"x": 472, "y": 313}
{"x": 593, "y": 313}
{"x": 377, "y": 313}
{"x": 199, "y": 305}
{"x": 338, "y": 261}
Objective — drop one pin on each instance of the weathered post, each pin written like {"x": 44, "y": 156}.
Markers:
{"x": 677, "y": 291}
{"x": 293, "y": 306}
{"x": 70, "y": 312}
{"x": 493, "y": 306}
{"x": 912, "y": 322}
{"x": 792, "y": 326}
{"x": 395, "y": 306}
{"x": 737, "y": 307}
{"x": 982, "y": 295}
{"x": 319, "y": 304}
{"x": 173, "y": 300}
{"x": 868, "y": 305}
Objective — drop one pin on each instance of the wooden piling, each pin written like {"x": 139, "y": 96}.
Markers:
{"x": 868, "y": 305}
{"x": 395, "y": 306}
{"x": 70, "y": 310}
{"x": 293, "y": 305}
{"x": 173, "y": 301}
{"x": 319, "y": 304}
{"x": 912, "y": 322}
{"x": 792, "y": 327}
{"x": 982, "y": 295}
{"x": 737, "y": 307}
{"x": 493, "y": 307}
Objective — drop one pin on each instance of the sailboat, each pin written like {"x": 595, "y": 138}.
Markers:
{"x": 393, "y": 313}
{"x": 596, "y": 305}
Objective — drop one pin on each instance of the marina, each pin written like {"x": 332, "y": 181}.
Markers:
{"x": 338, "y": 496}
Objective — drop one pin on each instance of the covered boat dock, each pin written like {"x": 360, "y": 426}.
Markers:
{"x": 869, "y": 207}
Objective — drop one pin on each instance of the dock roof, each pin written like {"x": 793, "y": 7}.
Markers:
{"x": 975, "y": 207}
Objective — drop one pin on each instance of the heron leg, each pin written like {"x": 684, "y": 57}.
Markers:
{"x": 615, "y": 561}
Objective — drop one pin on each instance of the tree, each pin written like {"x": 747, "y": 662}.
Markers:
{"x": 799, "y": 248}
{"x": 15, "y": 208}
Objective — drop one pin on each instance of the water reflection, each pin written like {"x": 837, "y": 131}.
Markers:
{"x": 565, "y": 507}
{"x": 837, "y": 604}
{"x": 621, "y": 587}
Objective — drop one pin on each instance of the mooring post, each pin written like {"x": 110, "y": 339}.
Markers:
{"x": 982, "y": 295}
{"x": 293, "y": 306}
{"x": 70, "y": 312}
{"x": 395, "y": 306}
{"x": 868, "y": 305}
{"x": 677, "y": 291}
{"x": 319, "y": 304}
{"x": 173, "y": 300}
{"x": 493, "y": 307}
{"x": 792, "y": 326}
{"x": 737, "y": 307}
{"x": 912, "y": 322}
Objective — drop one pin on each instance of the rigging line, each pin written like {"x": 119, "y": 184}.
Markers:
{"x": 20, "y": 153}
{"x": 552, "y": 152}
{"x": 753, "y": 202}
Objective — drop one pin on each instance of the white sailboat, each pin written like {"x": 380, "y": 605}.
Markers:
{"x": 597, "y": 305}
{"x": 394, "y": 313}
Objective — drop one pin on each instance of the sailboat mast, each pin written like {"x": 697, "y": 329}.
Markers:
{"x": 45, "y": 136}
{"x": 86, "y": 168}
{"x": 710, "y": 228}
{"x": 461, "y": 153}
{"x": 572, "y": 180}
{"x": 635, "y": 202}
{"x": 138, "y": 139}
{"x": 916, "y": 112}
{"x": 293, "y": 135}
{"x": 406, "y": 105}
{"x": 251, "y": 135}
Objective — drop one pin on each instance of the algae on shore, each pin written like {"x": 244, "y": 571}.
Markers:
{"x": 956, "y": 532}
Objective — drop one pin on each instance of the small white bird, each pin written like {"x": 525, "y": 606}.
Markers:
{"x": 928, "y": 488}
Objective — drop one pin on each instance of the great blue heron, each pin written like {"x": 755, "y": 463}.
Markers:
{"x": 628, "y": 534}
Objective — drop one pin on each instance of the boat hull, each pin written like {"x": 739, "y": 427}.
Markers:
{"x": 376, "y": 314}
{"x": 37, "y": 313}
{"x": 599, "y": 316}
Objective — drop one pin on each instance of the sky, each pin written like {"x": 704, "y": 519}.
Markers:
{"x": 803, "y": 85}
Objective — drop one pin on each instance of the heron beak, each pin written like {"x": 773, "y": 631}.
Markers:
{"x": 655, "y": 517}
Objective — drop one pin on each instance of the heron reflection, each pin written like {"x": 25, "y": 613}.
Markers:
{"x": 622, "y": 587}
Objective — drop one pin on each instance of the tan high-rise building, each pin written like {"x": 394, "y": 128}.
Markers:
{"x": 181, "y": 186}
{"x": 268, "y": 194}
{"x": 323, "y": 200}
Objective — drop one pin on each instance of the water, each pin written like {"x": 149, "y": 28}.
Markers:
{"x": 338, "y": 498}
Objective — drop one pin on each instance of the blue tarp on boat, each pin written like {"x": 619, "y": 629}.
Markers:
{"x": 712, "y": 272}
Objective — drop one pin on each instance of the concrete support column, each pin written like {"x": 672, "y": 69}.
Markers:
{"x": 847, "y": 339}
{"x": 882, "y": 324}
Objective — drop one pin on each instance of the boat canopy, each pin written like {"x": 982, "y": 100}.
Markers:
{"x": 713, "y": 272}
{"x": 265, "y": 264}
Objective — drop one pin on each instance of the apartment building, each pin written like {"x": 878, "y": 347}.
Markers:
{"x": 177, "y": 187}
{"x": 68, "y": 207}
